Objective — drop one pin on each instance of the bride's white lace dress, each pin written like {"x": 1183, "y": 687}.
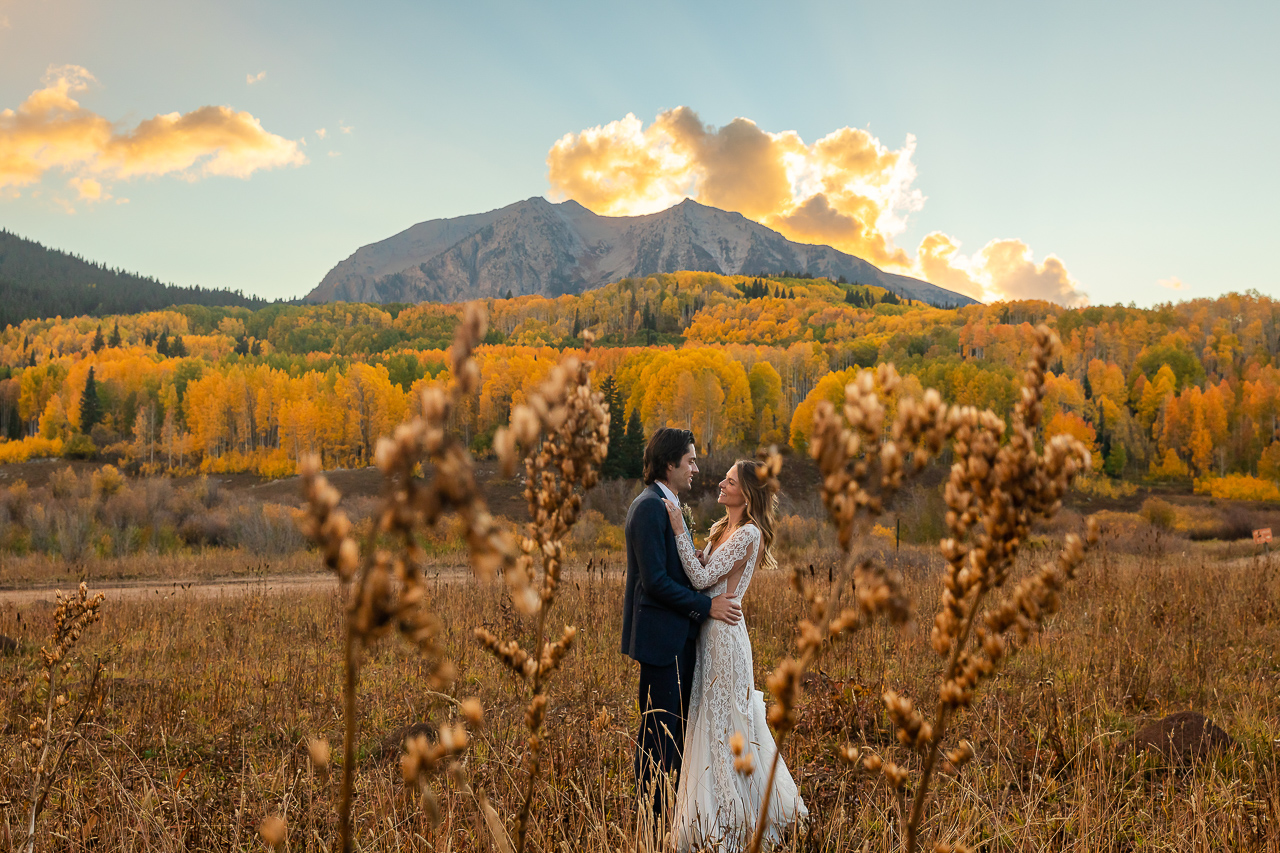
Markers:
{"x": 715, "y": 805}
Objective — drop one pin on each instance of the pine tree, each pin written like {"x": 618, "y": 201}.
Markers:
{"x": 633, "y": 447}
{"x": 115, "y": 336}
{"x": 509, "y": 295}
{"x": 162, "y": 343}
{"x": 577, "y": 325}
{"x": 98, "y": 341}
{"x": 177, "y": 349}
{"x": 614, "y": 465}
{"x": 90, "y": 412}
{"x": 1117, "y": 460}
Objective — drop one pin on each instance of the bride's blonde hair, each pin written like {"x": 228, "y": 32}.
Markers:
{"x": 761, "y": 509}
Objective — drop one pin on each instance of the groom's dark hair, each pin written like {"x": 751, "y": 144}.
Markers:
{"x": 666, "y": 447}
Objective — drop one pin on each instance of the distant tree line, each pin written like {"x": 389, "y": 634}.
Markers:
{"x": 38, "y": 282}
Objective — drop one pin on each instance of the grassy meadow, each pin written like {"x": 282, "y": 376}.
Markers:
{"x": 208, "y": 702}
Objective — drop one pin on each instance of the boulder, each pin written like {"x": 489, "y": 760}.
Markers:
{"x": 1182, "y": 738}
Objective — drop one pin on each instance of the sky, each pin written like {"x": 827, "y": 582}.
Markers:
{"x": 1083, "y": 152}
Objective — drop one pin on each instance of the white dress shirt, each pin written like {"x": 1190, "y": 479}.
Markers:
{"x": 670, "y": 495}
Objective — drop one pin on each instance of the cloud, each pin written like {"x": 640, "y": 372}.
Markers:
{"x": 1002, "y": 269}
{"x": 89, "y": 189}
{"x": 847, "y": 190}
{"x": 1173, "y": 283}
{"x": 321, "y": 133}
{"x": 51, "y": 130}
{"x": 255, "y": 78}
{"x": 345, "y": 128}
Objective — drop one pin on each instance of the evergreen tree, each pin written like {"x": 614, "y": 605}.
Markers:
{"x": 633, "y": 447}
{"x": 509, "y": 295}
{"x": 577, "y": 325}
{"x": 162, "y": 343}
{"x": 1117, "y": 460}
{"x": 242, "y": 345}
{"x": 149, "y": 338}
{"x": 614, "y": 465}
{"x": 177, "y": 349}
{"x": 98, "y": 341}
{"x": 90, "y": 411}
{"x": 115, "y": 336}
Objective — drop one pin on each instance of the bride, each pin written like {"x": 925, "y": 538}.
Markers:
{"x": 716, "y": 805}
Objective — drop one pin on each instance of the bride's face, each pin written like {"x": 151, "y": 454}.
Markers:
{"x": 731, "y": 489}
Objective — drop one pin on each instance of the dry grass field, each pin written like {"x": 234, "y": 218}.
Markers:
{"x": 208, "y": 703}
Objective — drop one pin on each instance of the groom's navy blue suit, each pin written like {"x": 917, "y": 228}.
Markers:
{"x": 662, "y": 613}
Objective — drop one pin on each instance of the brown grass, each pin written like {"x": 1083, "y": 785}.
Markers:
{"x": 209, "y": 705}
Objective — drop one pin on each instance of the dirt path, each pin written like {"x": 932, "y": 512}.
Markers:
{"x": 206, "y": 588}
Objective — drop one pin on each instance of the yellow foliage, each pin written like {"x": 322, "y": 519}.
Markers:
{"x": 1239, "y": 487}
{"x": 1103, "y": 487}
{"x": 32, "y": 447}
{"x": 1170, "y": 468}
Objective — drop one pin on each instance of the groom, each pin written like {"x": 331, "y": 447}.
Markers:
{"x": 662, "y": 612}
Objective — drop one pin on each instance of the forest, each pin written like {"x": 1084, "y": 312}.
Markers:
{"x": 37, "y": 281}
{"x": 1187, "y": 393}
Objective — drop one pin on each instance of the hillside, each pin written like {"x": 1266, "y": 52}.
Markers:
{"x": 536, "y": 247}
{"x": 1182, "y": 394}
{"x": 36, "y": 281}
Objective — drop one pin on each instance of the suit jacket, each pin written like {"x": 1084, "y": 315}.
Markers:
{"x": 661, "y": 609}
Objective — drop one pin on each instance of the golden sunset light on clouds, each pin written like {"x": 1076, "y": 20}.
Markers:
{"x": 51, "y": 130}
{"x": 846, "y": 190}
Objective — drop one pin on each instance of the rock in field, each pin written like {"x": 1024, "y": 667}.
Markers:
{"x": 1182, "y": 738}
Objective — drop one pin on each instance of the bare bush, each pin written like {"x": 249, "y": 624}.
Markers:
{"x": 265, "y": 530}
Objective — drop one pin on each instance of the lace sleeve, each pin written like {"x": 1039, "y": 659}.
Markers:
{"x": 699, "y": 575}
{"x": 737, "y": 553}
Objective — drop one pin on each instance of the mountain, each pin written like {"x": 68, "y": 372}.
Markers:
{"x": 534, "y": 246}
{"x": 36, "y": 281}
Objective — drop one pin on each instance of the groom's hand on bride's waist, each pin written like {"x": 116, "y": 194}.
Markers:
{"x": 726, "y": 609}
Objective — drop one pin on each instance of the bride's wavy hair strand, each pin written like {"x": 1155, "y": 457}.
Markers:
{"x": 762, "y": 506}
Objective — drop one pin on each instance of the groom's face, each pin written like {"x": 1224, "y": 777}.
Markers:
{"x": 680, "y": 477}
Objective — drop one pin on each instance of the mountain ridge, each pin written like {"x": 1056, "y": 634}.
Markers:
{"x": 536, "y": 246}
{"x": 38, "y": 281}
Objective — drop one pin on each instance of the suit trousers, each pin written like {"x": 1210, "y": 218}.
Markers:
{"x": 664, "y": 708}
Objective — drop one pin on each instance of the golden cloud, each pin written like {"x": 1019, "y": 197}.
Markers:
{"x": 50, "y": 130}
{"x": 847, "y": 190}
{"x": 1002, "y": 269}
{"x": 1173, "y": 283}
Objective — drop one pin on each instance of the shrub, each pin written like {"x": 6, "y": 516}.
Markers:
{"x": 796, "y": 533}
{"x": 73, "y": 528}
{"x": 1159, "y": 512}
{"x": 206, "y": 528}
{"x": 65, "y": 484}
{"x": 107, "y": 480}
{"x": 79, "y": 446}
{"x": 1239, "y": 487}
{"x": 1103, "y": 487}
{"x": 593, "y": 532}
{"x": 32, "y": 447}
{"x": 14, "y": 501}
{"x": 266, "y": 529}
{"x": 612, "y": 499}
